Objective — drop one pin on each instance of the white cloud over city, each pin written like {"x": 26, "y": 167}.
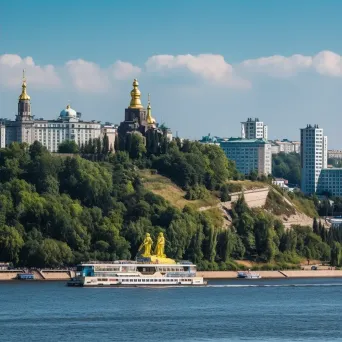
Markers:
{"x": 88, "y": 76}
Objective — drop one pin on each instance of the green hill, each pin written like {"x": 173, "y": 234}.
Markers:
{"x": 57, "y": 211}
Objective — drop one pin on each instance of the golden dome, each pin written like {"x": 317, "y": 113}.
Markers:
{"x": 135, "y": 96}
{"x": 149, "y": 118}
{"x": 24, "y": 95}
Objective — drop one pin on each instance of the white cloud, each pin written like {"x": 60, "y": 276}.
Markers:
{"x": 328, "y": 63}
{"x": 325, "y": 63}
{"x": 88, "y": 76}
{"x": 11, "y": 67}
{"x": 278, "y": 65}
{"x": 124, "y": 70}
{"x": 208, "y": 66}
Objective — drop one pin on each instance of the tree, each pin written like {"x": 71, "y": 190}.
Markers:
{"x": 137, "y": 146}
{"x": 68, "y": 146}
{"x": 307, "y": 254}
{"x": 11, "y": 243}
{"x": 336, "y": 254}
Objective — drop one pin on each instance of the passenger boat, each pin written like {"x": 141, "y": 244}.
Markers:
{"x": 135, "y": 273}
{"x": 146, "y": 270}
{"x": 249, "y": 275}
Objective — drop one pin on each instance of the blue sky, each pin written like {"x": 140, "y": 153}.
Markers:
{"x": 207, "y": 64}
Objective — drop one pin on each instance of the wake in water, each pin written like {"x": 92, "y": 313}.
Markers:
{"x": 274, "y": 285}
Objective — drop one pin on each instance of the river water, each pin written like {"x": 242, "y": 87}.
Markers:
{"x": 235, "y": 310}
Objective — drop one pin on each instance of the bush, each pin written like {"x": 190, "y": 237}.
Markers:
{"x": 197, "y": 192}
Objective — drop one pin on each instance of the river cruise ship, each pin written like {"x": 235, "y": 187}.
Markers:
{"x": 148, "y": 270}
{"x": 135, "y": 273}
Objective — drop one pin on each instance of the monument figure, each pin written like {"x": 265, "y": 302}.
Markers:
{"x": 160, "y": 246}
{"x": 147, "y": 245}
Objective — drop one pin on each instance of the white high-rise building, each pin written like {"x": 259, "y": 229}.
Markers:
{"x": 249, "y": 154}
{"x": 254, "y": 129}
{"x": 314, "y": 153}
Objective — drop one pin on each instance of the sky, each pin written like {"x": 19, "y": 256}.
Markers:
{"x": 208, "y": 65}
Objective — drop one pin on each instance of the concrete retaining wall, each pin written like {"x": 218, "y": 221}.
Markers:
{"x": 254, "y": 198}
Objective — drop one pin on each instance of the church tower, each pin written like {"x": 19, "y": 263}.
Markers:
{"x": 24, "y": 103}
{"x": 135, "y": 114}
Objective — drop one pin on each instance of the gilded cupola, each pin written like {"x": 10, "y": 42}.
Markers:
{"x": 149, "y": 118}
{"x": 135, "y": 96}
{"x": 24, "y": 95}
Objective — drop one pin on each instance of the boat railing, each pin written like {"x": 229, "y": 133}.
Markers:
{"x": 181, "y": 274}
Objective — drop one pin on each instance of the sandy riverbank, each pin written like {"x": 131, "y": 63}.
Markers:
{"x": 274, "y": 274}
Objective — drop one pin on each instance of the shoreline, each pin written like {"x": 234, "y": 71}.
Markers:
{"x": 65, "y": 275}
{"x": 290, "y": 274}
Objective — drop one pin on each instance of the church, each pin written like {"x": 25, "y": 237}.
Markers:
{"x": 140, "y": 120}
{"x": 50, "y": 133}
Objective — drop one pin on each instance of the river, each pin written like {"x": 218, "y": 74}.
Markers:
{"x": 233, "y": 310}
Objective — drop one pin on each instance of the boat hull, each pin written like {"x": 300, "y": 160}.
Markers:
{"x": 135, "y": 282}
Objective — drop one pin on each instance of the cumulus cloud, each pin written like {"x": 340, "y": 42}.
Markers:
{"x": 278, "y": 65}
{"x": 124, "y": 70}
{"x": 325, "y": 63}
{"x": 11, "y": 67}
{"x": 328, "y": 63}
{"x": 88, "y": 76}
{"x": 208, "y": 66}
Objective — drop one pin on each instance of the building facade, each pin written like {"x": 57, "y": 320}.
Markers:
{"x": 249, "y": 154}
{"x": 50, "y": 133}
{"x": 254, "y": 129}
{"x": 313, "y": 157}
{"x": 285, "y": 146}
{"x": 330, "y": 182}
{"x": 335, "y": 154}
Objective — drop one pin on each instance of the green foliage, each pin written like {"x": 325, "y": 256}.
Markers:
{"x": 287, "y": 166}
{"x": 276, "y": 203}
{"x": 194, "y": 164}
{"x": 68, "y": 146}
{"x": 58, "y": 211}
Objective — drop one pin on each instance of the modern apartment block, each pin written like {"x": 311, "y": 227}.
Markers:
{"x": 314, "y": 153}
{"x": 249, "y": 154}
{"x": 285, "y": 146}
{"x": 254, "y": 129}
{"x": 336, "y": 154}
{"x": 330, "y": 182}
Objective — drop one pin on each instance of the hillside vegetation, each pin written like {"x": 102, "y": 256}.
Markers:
{"x": 59, "y": 211}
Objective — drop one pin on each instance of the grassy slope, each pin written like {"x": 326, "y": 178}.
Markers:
{"x": 275, "y": 203}
{"x": 237, "y": 186}
{"x": 164, "y": 187}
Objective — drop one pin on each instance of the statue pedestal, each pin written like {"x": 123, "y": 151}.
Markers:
{"x": 159, "y": 260}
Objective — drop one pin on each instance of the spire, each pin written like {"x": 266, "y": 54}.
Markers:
{"x": 135, "y": 96}
{"x": 23, "y": 95}
{"x": 149, "y": 117}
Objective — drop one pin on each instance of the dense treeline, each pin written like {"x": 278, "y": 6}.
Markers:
{"x": 264, "y": 238}
{"x": 58, "y": 211}
{"x": 287, "y": 166}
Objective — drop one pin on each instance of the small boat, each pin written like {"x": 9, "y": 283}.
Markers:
{"x": 248, "y": 275}
{"x": 25, "y": 276}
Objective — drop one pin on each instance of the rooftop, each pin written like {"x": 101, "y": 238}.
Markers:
{"x": 242, "y": 140}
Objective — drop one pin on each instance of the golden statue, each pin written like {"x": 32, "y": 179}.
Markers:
{"x": 160, "y": 247}
{"x": 147, "y": 245}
